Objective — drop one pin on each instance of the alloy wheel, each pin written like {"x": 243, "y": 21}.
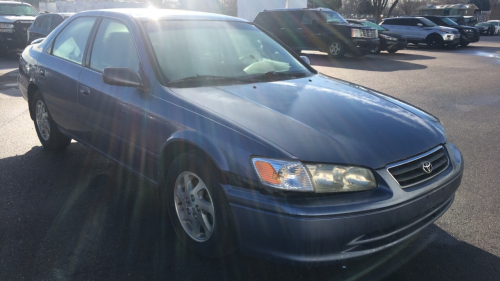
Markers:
{"x": 42, "y": 120}
{"x": 335, "y": 48}
{"x": 194, "y": 206}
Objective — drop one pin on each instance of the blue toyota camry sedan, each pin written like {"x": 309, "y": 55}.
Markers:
{"x": 248, "y": 145}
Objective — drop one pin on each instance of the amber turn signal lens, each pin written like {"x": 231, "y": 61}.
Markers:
{"x": 267, "y": 172}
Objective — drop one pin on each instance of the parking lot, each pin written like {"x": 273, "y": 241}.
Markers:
{"x": 76, "y": 215}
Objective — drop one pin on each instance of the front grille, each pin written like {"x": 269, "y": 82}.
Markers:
{"x": 411, "y": 172}
{"x": 21, "y": 27}
{"x": 368, "y": 33}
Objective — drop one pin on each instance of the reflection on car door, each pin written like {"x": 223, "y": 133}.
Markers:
{"x": 61, "y": 64}
{"x": 114, "y": 117}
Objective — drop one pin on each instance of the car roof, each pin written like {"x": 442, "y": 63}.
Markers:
{"x": 14, "y": 2}
{"x": 419, "y": 17}
{"x": 297, "y": 9}
{"x": 146, "y": 14}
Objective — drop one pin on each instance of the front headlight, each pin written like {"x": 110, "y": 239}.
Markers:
{"x": 340, "y": 178}
{"x": 326, "y": 178}
{"x": 284, "y": 175}
{"x": 389, "y": 37}
{"x": 468, "y": 30}
{"x": 356, "y": 32}
{"x": 6, "y": 25}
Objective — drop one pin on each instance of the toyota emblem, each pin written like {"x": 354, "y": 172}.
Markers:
{"x": 427, "y": 167}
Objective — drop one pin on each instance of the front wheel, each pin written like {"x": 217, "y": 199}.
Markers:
{"x": 464, "y": 44}
{"x": 392, "y": 51}
{"x": 45, "y": 127}
{"x": 336, "y": 49}
{"x": 435, "y": 41}
{"x": 198, "y": 208}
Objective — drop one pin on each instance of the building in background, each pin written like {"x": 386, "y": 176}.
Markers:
{"x": 448, "y": 10}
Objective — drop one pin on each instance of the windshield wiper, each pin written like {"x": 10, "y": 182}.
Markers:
{"x": 199, "y": 78}
{"x": 275, "y": 74}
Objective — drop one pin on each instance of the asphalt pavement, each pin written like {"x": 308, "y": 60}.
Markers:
{"x": 74, "y": 215}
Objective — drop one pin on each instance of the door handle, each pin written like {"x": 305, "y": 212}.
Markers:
{"x": 300, "y": 28}
{"x": 84, "y": 90}
{"x": 282, "y": 28}
{"x": 42, "y": 72}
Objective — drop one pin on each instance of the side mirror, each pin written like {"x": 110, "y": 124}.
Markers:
{"x": 419, "y": 25}
{"x": 36, "y": 41}
{"x": 306, "y": 60}
{"x": 121, "y": 76}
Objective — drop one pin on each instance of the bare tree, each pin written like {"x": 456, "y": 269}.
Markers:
{"x": 408, "y": 6}
{"x": 378, "y": 7}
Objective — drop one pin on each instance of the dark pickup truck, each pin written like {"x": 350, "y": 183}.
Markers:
{"x": 318, "y": 29}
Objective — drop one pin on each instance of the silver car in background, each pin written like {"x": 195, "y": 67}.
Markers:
{"x": 421, "y": 30}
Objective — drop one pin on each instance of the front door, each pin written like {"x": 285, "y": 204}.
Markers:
{"x": 114, "y": 116}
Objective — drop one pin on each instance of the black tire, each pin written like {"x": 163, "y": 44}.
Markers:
{"x": 222, "y": 240}
{"x": 392, "y": 51}
{"x": 434, "y": 41}
{"x": 336, "y": 49}
{"x": 45, "y": 127}
{"x": 298, "y": 52}
{"x": 464, "y": 44}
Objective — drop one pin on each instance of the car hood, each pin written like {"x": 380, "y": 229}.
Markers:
{"x": 318, "y": 119}
{"x": 11, "y": 19}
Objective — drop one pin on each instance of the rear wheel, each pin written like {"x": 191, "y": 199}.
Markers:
{"x": 392, "y": 51}
{"x": 198, "y": 208}
{"x": 435, "y": 41}
{"x": 45, "y": 127}
{"x": 336, "y": 49}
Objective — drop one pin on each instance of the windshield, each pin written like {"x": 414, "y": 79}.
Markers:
{"x": 17, "y": 10}
{"x": 449, "y": 21}
{"x": 483, "y": 24}
{"x": 331, "y": 16}
{"x": 187, "y": 50}
{"x": 373, "y": 25}
{"x": 427, "y": 22}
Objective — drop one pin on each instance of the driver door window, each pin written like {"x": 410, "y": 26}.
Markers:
{"x": 113, "y": 47}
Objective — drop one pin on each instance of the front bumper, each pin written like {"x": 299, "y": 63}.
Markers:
{"x": 324, "y": 230}
{"x": 400, "y": 44}
{"x": 363, "y": 45}
{"x": 469, "y": 37}
{"x": 451, "y": 39}
{"x": 12, "y": 41}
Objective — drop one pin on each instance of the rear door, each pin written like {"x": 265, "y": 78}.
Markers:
{"x": 114, "y": 117}
{"x": 59, "y": 69}
{"x": 310, "y": 31}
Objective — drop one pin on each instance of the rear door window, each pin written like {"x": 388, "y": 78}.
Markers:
{"x": 56, "y": 21}
{"x": 70, "y": 43}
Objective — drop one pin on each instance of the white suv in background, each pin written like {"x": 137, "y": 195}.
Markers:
{"x": 496, "y": 23}
{"x": 421, "y": 30}
{"x": 15, "y": 19}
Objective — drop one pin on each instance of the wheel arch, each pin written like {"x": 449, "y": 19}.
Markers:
{"x": 32, "y": 89}
{"x": 190, "y": 141}
{"x": 432, "y": 35}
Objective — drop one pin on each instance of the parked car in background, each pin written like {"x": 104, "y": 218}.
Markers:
{"x": 468, "y": 34}
{"x": 464, "y": 20}
{"x": 247, "y": 145}
{"x": 318, "y": 29}
{"x": 44, "y": 24}
{"x": 389, "y": 41}
{"x": 486, "y": 28}
{"x": 15, "y": 19}
{"x": 496, "y": 24}
{"x": 421, "y": 30}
